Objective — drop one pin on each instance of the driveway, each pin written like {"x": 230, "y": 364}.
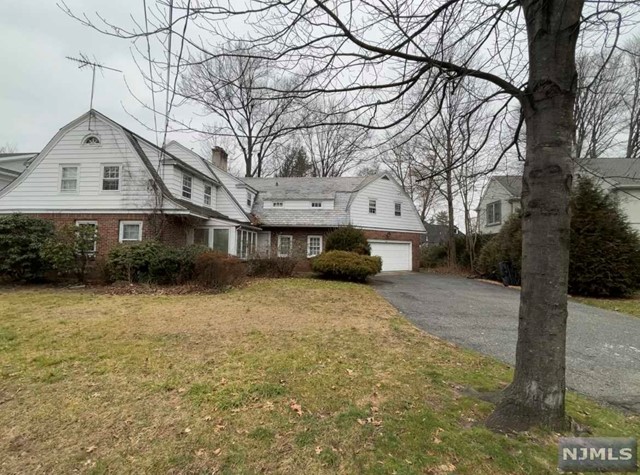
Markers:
{"x": 603, "y": 347}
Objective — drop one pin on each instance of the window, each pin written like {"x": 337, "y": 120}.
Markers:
{"x": 201, "y": 236}
{"x": 111, "y": 177}
{"x": 494, "y": 213}
{"x": 69, "y": 179}
{"x": 92, "y": 245}
{"x": 249, "y": 199}
{"x": 221, "y": 240}
{"x": 246, "y": 243}
{"x": 277, "y": 204}
{"x": 314, "y": 245}
{"x": 207, "y": 195}
{"x": 91, "y": 140}
{"x": 398, "y": 209}
{"x": 316, "y": 204}
{"x": 285, "y": 244}
{"x": 187, "y": 181}
{"x": 372, "y": 206}
{"x": 130, "y": 231}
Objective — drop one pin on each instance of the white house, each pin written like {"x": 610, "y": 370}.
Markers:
{"x": 96, "y": 172}
{"x": 619, "y": 176}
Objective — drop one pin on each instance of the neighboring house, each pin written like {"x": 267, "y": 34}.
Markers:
{"x": 11, "y": 165}
{"x": 96, "y": 172}
{"x": 438, "y": 234}
{"x": 500, "y": 200}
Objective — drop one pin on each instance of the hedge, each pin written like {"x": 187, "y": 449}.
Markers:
{"x": 343, "y": 265}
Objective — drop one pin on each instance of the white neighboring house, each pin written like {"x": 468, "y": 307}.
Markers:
{"x": 12, "y": 165}
{"x": 96, "y": 172}
{"x": 618, "y": 176}
{"x": 500, "y": 200}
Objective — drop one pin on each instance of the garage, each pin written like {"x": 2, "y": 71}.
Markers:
{"x": 396, "y": 255}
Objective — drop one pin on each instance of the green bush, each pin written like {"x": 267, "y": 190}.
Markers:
{"x": 21, "y": 241}
{"x": 437, "y": 255}
{"x": 604, "y": 249}
{"x": 152, "y": 262}
{"x": 218, "y": 270}
{"x": 271, "y": 267}
{"x": 70, "y": 250}
{"x": 343, "y": 265}
{"x": 347, "y": 239}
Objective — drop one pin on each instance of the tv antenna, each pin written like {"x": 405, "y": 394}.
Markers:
{"x": 84, "y": 62}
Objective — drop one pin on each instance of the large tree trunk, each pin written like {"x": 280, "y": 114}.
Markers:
{"x": 451, "y": 223}
{"x": 536, "y": 397}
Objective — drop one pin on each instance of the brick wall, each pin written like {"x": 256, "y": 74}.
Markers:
{"x": 173, "y": 229}
{"x": 299, "y": 236}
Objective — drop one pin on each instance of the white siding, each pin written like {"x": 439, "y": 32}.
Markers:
{"x": 188, "y": 156}
{"x": 630, "y": 204}
{"x": 496, "y": 192}
{"x": 386, "y": 193}
{"x": 39, "y": 186}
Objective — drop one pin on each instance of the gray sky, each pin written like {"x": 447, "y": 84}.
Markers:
{"x": 42, "y": 91}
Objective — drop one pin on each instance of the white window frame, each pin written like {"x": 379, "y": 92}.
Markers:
{"x": 249, "y": 199}
{"x": 90, "y": 222}
{"x": 373, "y": 209}
{"x": 89, "y": 136}
{"x": 316, "y": 204}
{"x": 207, "y": 196}
{"x": 121, "y": 231}
{"x": 102, "y": 178}
{"x": 309, "y": 238}
{"x": 246, "y": 248}
{"x": 397, "y": 209}
{"x": 493, "y": 205}
{"x": 185, "y": 177}
{"x": 277, "y": 204}
{"x": 69, "y": 165}
{"x": 290, "y": 237}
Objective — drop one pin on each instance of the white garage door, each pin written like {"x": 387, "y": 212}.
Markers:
{"x": 395, "y": 255}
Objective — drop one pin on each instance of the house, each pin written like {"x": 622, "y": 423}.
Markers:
{"x": 619, "y": 176}
{"x": 96, "y": 172}
{"x": 11, "y": 165}
{"x": 500, "y": 200}
{"x": 438, "y": 234}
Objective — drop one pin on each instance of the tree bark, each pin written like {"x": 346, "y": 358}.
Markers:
{"x": 451, "y": 224}
{"x": 536, "y": 397}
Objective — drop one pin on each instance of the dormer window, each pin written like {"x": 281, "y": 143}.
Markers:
{"x": 277, "y": 204}
{"x": 91, "y": 140}
{"x": 249, "y": 199}
{"x": 187, "y": 182}
{"x": 316, "y": 204}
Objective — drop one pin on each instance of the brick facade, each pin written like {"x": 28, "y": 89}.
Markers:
{"x": 173, "y": 229}
{"x": 299, "y": 236}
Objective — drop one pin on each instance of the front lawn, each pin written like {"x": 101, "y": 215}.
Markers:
{"x": 286, "y": 376}
{"x": 629, "y": 306}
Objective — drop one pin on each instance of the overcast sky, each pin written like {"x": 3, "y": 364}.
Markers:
{"x": 42, "y": 91}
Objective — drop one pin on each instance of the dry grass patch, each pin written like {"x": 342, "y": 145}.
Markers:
{"x": 285, "y": 376}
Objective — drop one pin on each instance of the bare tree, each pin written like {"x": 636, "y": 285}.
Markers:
{"x": 333, "y": 147}
{"x": 375, "y": 53}
{"x": 632, "y": 98}
{"x": 227, "y": 87}
{"x": 598, "y": 109}
{"x": 7, "y": 148}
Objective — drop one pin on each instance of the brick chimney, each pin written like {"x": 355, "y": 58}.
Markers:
{"x": 219, "y": 158}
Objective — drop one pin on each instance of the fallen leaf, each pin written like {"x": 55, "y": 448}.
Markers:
{"x": 217, "y": 452}
{"x": 91, "y": 449}
{"x": 361, "y": 422}
{"x": 446, "y": 468}
{"x": 318, "y": 450}
{"x": 187, "y": 430}
{"x": 297, "y": 408}
{"x": 350, "y": 372}
{"x": 207, "y": 418}
{"x": 200, "y": 452}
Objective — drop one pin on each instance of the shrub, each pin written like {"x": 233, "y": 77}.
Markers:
{"x": 604, "y": 250}
{"x": 218, "y": 270}
{"x": 347, "y": 239}
{"x": 21, "y": 241}
{"x": 343, "y": 265}
{"x": 437, "y": 255}
{"x": 70, "y": 250}
{"x": 152, "y": 262}
{"x": 271, "y": 267}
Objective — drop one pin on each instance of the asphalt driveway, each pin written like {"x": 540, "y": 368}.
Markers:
{"x": 603, "y": 347}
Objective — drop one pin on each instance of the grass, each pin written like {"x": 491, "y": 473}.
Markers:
{"x": 629, "y": 306}
{"x": 284, "y": 376}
